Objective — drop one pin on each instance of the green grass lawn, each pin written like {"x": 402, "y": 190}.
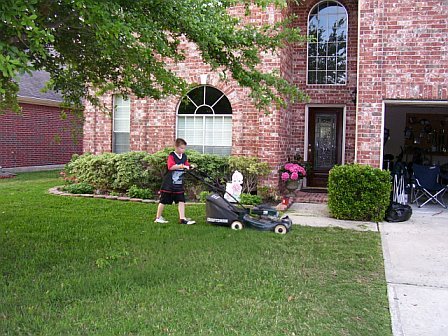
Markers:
{"x": 78, "y": 266}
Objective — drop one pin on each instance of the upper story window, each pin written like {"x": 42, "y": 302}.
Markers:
{"x": 121, "y": 124}
{"x": 327, "y": 47}
{"x": 204, "y": 120}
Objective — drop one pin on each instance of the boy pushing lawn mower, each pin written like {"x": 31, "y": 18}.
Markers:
{"x": 172, "y": 189}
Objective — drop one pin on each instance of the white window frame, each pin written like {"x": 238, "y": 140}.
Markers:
{"x": 114, "y": 119}
{"x": 317, "y": 57}
{"x": 204, "y": 118}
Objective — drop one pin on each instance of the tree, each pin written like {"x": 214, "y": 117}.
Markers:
{"x": 90, "y": 47}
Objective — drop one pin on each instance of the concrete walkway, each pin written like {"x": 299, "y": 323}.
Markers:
{"x": 317, "y": 215}
{"x": 416, "y": 264}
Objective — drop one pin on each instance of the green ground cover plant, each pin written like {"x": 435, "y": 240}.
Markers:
{"x": 84, "y": 266}
{"x": 250, "y": 199}
{"x": 79, "y": 188}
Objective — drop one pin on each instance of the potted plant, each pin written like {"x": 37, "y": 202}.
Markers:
{"x": 291, "y": 174}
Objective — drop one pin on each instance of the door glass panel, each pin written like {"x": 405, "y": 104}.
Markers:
{"x": 325, "y": 141}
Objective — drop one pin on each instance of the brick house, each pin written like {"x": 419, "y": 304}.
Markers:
{"x": 38, "y": 138}
{"x": 371, "y": 61}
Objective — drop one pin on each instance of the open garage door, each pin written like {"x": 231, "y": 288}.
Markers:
{"x": 416, "y": 139}
{"x": 416, "y": 133}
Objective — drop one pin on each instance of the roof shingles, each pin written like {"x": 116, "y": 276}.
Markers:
{"x": 31, "y": 86}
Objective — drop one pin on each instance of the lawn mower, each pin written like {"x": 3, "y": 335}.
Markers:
{"x": 221, "y": 212}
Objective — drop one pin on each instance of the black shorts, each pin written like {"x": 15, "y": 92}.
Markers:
{"x": 169, "y": 198}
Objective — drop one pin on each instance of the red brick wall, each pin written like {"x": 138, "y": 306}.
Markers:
{"x": 271, "y": 137}
{"x": 325, "y": 94}
{"x": 37, "y": 137}
{"x": 98, "y": 127}
{"x": 403, "y": 55}
{"x": 153, "y": 122}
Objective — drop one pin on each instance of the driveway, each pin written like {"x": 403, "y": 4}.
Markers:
{"x": 416, "y": 262}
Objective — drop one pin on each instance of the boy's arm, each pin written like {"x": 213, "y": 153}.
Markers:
{"x": 172, "y": 164}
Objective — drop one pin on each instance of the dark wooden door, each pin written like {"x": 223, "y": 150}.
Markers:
{"x": 324, "y": 143}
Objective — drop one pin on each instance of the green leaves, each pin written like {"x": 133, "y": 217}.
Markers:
{"x": 79, "y": 188}
{"x": 135, "y": 172}
{"x": 249, "y": 199}
{"x": 358, "y": 192}
{"x": 89, "y": 46}
{"x": 251, "y": 168}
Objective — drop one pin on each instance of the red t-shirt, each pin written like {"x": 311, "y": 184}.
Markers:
{"x": 171, "y": 162}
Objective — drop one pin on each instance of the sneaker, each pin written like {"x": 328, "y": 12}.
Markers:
{"x": 187, "y": 221}
{"x": 161, "y": 220}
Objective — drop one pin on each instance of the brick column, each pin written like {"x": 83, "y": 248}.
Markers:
{"x": 369, "y": 91}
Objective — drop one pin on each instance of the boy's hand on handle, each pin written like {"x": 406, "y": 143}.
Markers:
{"x": 182, "y": 166}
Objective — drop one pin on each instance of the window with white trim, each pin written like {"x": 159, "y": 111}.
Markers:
{"x": 204, "y": 120}
{"x": 327, "y": 45}
{"x": 121, "y": 124}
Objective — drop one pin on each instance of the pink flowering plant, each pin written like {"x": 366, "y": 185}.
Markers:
{"x": 292, "y": 171}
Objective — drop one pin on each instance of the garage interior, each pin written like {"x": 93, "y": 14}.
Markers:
{"x": 416, "y": 134}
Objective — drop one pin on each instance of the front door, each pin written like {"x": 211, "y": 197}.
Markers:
{"x": 324, "y": 143}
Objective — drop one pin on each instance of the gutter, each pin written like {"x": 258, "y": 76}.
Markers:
{"x": 39, "y": 101}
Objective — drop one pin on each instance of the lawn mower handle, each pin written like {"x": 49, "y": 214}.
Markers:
{"x": 213, "y": 187}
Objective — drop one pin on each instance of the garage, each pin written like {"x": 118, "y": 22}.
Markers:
{"x": 416, "y": 134}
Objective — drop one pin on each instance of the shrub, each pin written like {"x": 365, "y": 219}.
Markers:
{"x": 68, "y": 179}
{"x": 119, "y": 172}
{"x": 132, "y": 170}
{"x": 252, "y": 170}
{"x": 250, "y": 199}
{"x": 203, "y": 196}
{"x": 97, "y": 170}
{"x": 214, "y": 167}
{"x": 68, "y": 174}
{"x": 157, "y": 162}
{"x": 112, "y": 171}
{"x": 268, "y": 194}
{"x": 79, "y": 188}
{"x": 358, "y": 192}
{"x": 136, "y": 192}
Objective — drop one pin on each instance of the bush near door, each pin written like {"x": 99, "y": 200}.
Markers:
{"x": 358, "y": 192}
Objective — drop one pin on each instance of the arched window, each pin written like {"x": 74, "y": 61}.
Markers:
{"x": 327, "y": 47}
{"x": 204, "y": 120}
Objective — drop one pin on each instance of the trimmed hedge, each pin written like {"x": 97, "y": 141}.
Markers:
{"x": 134, "y": 171}
{"x": 97, "y": 170}
{"x": 358, "y": 192}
